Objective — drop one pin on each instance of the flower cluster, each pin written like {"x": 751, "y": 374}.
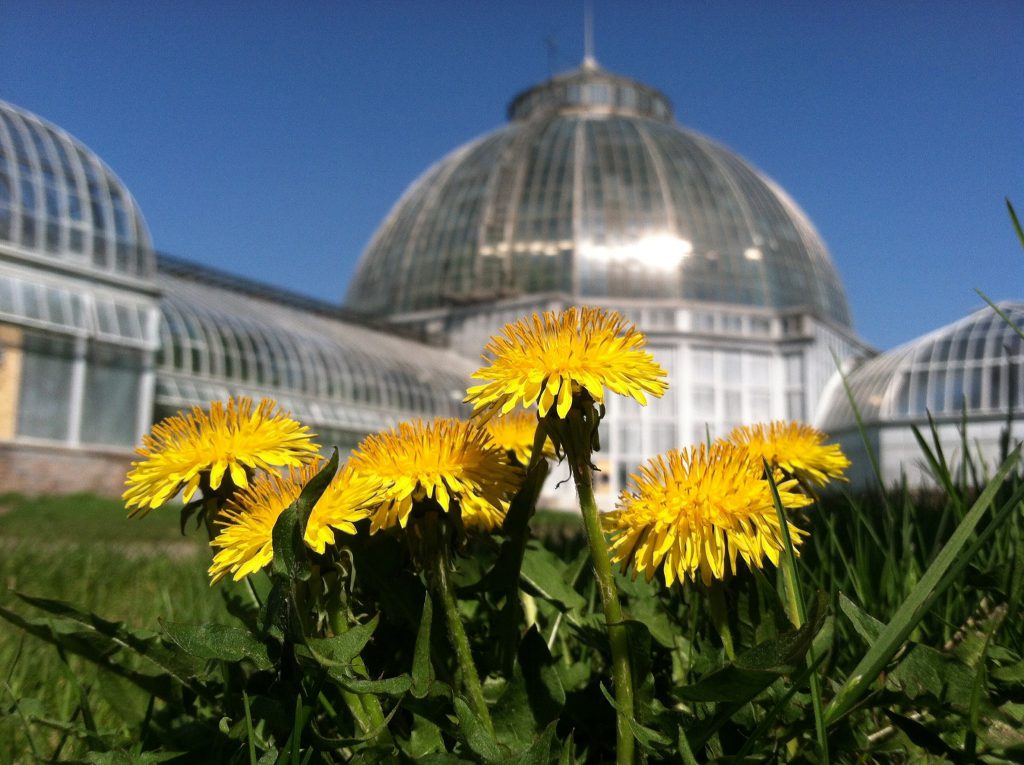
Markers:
{"x": 690, "y": 513}
{"x": 449, "y": 464}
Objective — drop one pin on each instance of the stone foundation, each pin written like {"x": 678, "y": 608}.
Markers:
{"x": 56, "y": 470}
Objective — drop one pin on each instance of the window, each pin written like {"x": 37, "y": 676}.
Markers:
{"x": 111, "y": 396}
{"x": 44, "y": 404}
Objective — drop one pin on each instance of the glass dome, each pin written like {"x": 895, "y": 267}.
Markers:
{"x": 973, "y": 365}
{"x": 594, "y": 192}
{"x": 60, "y": 201}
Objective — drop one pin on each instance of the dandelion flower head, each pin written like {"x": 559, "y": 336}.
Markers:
{"x": 229, "y": 439}
{"x": 548, "y": 359}
{"x": 514, "y": 432}
{"x": 246, "y": 542}
{"x": 697, "y": 511}
{"x": 796, "y": 448}
{"x": 449, "y": 461}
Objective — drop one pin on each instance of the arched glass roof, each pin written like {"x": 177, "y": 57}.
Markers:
{"x": 974, "y": 364}
{"x": 593, "y": 191}
{"x": 217, "y": 342}
{"x": 60, "y": 201}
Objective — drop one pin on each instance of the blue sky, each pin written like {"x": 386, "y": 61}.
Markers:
{"x": 270, "y": 139}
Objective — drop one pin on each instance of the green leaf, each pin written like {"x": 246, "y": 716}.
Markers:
{"x": 475, "y": 733}
{"x": 539, "y": 752}
{"x": 867, "y": 626}
{"x": 100, "y": 641}
{"x": 533, "y": 696}
{"x": 950, "y": 561}
{"x": 756, "y": 669}
{"x": 390, "y": 686}
{"x": 291, "y": 558}
{"x": 218, "y": 642}
{"x": 924, "y": 738}
{"x": 313, "y": 490}
{"x": 544, "y": 575}
{"x": 1011, "y": 674}
{"x": 422, "y": 669}
{"x": 648, "y": 738}
{"x": 425, "y": 738}
{"x": 1016, "y": 222}
{"x": 925, "y": 671}
{"x": 343, "y": 648}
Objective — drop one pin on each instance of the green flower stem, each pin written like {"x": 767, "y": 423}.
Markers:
{"x": 442, "y": 587}
{"x": 622, "y": 676}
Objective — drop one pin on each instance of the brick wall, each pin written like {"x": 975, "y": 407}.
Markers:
{"x": 30, "y": 469}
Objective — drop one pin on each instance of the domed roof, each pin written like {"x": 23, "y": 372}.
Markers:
{"x": 593, "y": 191}
{"x": 60, "y": 201}
{"x": 973, "y": 365}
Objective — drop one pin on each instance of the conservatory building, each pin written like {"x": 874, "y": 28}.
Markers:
{"x": 966, "y": 376}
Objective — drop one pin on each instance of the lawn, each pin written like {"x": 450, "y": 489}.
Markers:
{"x": 83, "y": 550}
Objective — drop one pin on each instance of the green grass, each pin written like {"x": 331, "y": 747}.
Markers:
{"x": 85, "y": 551}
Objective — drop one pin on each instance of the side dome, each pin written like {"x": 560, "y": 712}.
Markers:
{"x": 971, "y": 366}
{"x": 592, "y": 191}
{"x": 59, "y": 201}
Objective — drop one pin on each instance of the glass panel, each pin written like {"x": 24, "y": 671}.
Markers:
{"x": 44, "y": 405}
{"x": 111, "y": 396}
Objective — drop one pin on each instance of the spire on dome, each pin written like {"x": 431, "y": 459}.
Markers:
{"x": 589, "y": 61}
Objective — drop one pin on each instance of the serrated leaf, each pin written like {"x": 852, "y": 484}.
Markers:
{"x": 389, "y": 686}
{"x": 924, "y": 670}
{"x": 103, "y": 649}
{"x": 1011, "y": 674}
{"x": 218, "y": 642}
{"x": 343, "y": 648}
{"x": 756, "y": 669}
{"x": 941, "y": 574}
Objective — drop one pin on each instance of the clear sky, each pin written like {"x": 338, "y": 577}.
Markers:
{"x": 270, "y": 139}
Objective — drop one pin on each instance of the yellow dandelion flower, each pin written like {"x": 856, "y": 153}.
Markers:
{"x": 246, "y": 540}
{"x": 794, "y": 447}
{"x": 346, "y": 500}
{"x": 514, "y": 432}
{"x": 230, "y": 439}
{"x": 698, "y": 510}
{"x": 548, "y": 360}
{"x": 446, "y": 460}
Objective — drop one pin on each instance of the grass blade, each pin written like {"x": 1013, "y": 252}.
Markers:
{"x": 800, "y": 608}
{"x": 932, "y": 582}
